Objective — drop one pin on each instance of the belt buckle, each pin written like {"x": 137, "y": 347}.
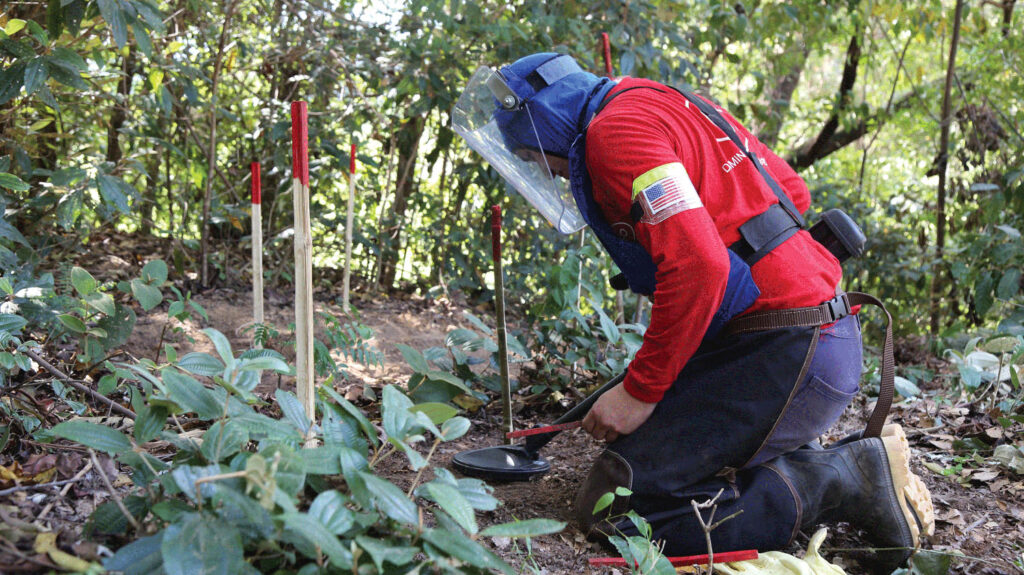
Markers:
{"x": 838, "y": 307}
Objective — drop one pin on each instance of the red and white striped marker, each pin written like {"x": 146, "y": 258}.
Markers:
{"x": 348, "y": 227}
{"x": 303, "y": 262}
{"x": 257, "y": 245}
{"x": 726, "y": 557}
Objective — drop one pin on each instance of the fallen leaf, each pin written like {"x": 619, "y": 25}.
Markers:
{"x": 994, "y": 432}
{"x": 941, "y": 444}
{"x": 985, "y": 475}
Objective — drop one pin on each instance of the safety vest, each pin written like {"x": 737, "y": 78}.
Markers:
{"x": 759, "y": 235}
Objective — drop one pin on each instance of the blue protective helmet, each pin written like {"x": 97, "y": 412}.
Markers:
{"x": 556, "y": 91}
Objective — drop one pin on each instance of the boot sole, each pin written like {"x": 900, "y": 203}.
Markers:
{"x": 914, "y": 497}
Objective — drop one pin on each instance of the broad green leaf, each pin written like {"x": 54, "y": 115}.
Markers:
{"x": 317, "y": 534}
{"x": 382, "y": 550}
{"x": 324, "y": 460}
{"x": 476, "y": 321}
{"x": 5, "y": 286}
{"x": 14, "y": 25}
{"x": 83, "y": 281}
{"x": 223, "y": 441}
{"x": 454, "y": 504}
{"x": 11, "y": 80}
{"x": 201, "y": 363}
{"x": 149, "y": 297}
{"x": 63, "y": 74}
{"x": 154, "y": 272}
{"x": 329, "y": 509}
{"x": 414, "y": 358}
{"x": 437, "y": 412}
{"x": 69, "y": 58}
{"x": 94, "y": 435}
{"x": 905, "y": 387}
{"x": 201, "y": 544}
{"x": 223, "y": 346}
{"x": 140, "y": 557}
{"x": 454, "y": 428}
{"x": 603, "y": 502}
{"x": 112, "y": 193}
{"x": 73, "y": 323}
{"x": 1009, "y": 284}
{"x": 525, "y": 528}
{"x": 261, "y": 363}
{"x": 102, "y": 302}
{"x": 368, "y": 429}
{"x": 149, "y": 422}
{"x": 112, "y": 13}
{"x": 448, "y": 378}
{"x": 292, "y": 410}
{"x": 185, "y": 477}
{"x": 391, "y": 500}
{"x": 11, "y": 323}
{"x": 465, "y": 549}
{"x": 10, "y": 232}
{"x": 192, "y": 395}
{"x": 35, "y": 75}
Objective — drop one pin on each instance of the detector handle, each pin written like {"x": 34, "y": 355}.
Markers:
{"x": 537, "y": 442}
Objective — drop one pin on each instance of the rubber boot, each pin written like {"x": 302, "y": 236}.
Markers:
{"x": 867, "y": 483}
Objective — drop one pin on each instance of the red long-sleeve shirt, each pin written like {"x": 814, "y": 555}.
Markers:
{"x": 644, "y": 129}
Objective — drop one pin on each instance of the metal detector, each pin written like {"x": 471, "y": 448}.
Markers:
{"x": 522, "y": 462}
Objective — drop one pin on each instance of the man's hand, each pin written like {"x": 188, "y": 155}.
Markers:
{"x": 616, "y": 413}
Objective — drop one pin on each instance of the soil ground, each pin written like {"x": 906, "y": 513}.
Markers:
{"x": 979, "y": 509}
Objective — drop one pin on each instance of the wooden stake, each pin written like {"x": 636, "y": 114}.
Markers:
{"x": 607, "y": 53}
{"x": 303, "y": 263}
{"x": 348, "y": 228}
{"x": 257, "y": 247}
{"x": 499, "y": 304}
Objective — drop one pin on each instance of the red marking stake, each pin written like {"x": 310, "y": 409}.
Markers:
{"x": 257, "y": 245}
{"x": 607, "y": 49}
{"x": 545, "y": 429}
{"x": 726, "y": 557}
{"x": 303, "y": 262}
{"x": 346, "y": 279}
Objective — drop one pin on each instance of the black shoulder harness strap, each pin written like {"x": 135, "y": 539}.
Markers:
{"x": 763, "y": 232}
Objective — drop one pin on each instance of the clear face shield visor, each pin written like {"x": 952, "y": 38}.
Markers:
{"x": 525, "y": 168}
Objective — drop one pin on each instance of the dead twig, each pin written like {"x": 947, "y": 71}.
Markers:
{"x": 113, "y": 492}
{"x": 79, "y": 386}
{"x": 32, "y": 486}
{"x": 713, "y": 504}
{"x": 63, "y": 492}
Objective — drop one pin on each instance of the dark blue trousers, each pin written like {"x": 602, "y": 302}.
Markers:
{"x": 741, "y": 401}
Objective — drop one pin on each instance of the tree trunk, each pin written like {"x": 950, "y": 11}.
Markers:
{"x": 408, "y": 147}
{"x": 941, "y": 162}
{"x": 118, "y": 114}
{"x": 212, "y": 152}
{"x": 779, "y": 99}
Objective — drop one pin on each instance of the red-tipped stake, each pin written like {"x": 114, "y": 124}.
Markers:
{"x": 303, "y": 263}
{"x": 257, "y": 246}
{"x": 545, "y": 429}
{"x": 499, "y": 305}
{"x": 607, "y": 49}
{"x": 348, "y": 228}
{"x": 727, "y": 557}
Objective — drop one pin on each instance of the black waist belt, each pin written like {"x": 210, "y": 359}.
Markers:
{"x": 828, "y": 312}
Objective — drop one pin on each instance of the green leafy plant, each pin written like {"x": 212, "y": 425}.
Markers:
{"x": 248, "y": 496}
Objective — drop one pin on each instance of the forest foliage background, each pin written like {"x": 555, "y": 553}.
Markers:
{"x": 131, "y": 115}
{"x": 142, "y": 117}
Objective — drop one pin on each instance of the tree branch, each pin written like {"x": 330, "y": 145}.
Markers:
{"x": 823, "y": 144}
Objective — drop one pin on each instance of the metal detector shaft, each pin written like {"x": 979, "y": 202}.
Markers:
{"x": 537, "y": 442}
{"x": 499, "y": 304}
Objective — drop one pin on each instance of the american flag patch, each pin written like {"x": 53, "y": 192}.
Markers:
{"x": 665, "y": 191}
